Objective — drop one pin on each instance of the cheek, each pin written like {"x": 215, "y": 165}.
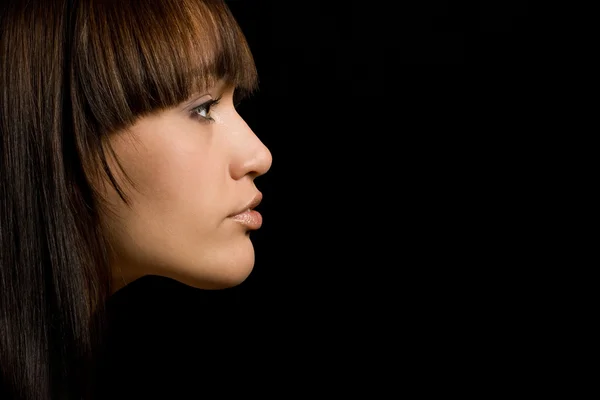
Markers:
{"x": 163, "y": 170}
{"x": 185, "y": 192}
{"x": 179, "y": 178}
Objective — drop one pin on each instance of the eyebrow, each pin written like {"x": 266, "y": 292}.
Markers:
{"x": 194, "y": 98}
{"x": 220, "y": 88}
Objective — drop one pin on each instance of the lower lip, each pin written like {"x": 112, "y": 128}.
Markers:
{"x": 251, "y": 219}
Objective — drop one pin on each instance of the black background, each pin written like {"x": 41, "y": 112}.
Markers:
{"x": 395, "y": 131}
{"x": 393, "y": 127}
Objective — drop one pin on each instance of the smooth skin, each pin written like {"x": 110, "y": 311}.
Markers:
{"x": 190, "y": 174}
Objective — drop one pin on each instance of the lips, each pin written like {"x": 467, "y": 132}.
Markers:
{"x": 250, "y": 205}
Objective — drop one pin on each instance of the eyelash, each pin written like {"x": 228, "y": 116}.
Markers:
{"x": 205, "y": 106}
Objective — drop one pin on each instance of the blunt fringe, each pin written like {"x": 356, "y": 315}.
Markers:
{"x": 73, "y": 73}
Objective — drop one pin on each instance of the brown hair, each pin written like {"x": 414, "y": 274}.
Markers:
{"x": 130, "y": 60}
{"x": 72, "y": 73}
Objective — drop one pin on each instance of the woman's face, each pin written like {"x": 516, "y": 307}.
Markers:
{"x": 190, "y": 175}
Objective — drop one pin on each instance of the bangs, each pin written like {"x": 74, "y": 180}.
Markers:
{"x": 132, "y": 58}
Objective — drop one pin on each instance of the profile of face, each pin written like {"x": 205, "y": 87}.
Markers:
{"x": 193, "y": 166}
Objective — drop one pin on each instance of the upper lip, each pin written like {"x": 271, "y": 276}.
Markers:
{"x": 250, "y": 205}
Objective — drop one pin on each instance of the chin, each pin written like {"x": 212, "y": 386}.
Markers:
{"x": 215, "y": 283}
{"x": 220, "y": 277}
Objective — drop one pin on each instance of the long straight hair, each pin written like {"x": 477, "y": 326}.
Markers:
{"x": 73, "y": 73}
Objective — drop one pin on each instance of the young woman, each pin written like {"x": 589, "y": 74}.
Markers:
{"x": 121, "y": 155}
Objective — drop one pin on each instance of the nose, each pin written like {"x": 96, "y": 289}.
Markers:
{"x": 252, "y": 156}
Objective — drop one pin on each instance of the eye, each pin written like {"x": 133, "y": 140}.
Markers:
{"x": 203, "y": 110}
